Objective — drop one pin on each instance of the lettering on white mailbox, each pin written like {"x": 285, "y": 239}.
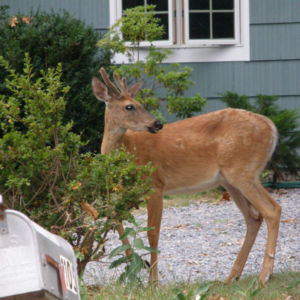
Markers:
{"x": 70, "y": 274}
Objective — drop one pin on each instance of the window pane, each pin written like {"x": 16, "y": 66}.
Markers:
{"x": 131, "y": 3}
{"x": 161, "y": 5}
{"x": 199, "y": 26}
{"x": 222, "y": 4}
{"x": 164, "y": 20}
{"x": 198, "y": 4}
{"x": 223, "y": 25}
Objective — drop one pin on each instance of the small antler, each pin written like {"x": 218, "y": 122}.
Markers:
{"x": 112, "y": 87}
{"x": 121, "y": 86}
{"x": 124, "y": 83}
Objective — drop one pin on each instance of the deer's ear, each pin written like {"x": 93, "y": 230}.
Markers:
{"x": 100, "y": 90}
{"x": 133, "y": 90}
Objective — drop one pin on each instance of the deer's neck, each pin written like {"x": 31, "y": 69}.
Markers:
{"x": 113, "y": 135}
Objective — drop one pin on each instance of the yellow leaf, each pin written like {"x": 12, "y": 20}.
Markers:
{"x": 13, "y": 21}
{"x": 77, "y": 185}
{"x": 89, "y": 209}
{"x": 26, "y": 20}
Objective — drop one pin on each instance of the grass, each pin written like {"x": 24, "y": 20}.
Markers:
{"x": 212, "y": 196}
{"x": 276, "y": 289}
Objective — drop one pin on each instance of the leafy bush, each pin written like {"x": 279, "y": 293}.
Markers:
{"x": 52, "y": 38}
{"x": 286, "y": 160}
{"x": 137, "y": 25}
{"x": 78, "y": 196}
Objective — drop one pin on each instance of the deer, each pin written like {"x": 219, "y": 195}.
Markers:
{"x": 229, "y": 147}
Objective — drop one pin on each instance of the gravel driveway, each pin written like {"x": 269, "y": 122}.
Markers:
{"x": 201, "y": 241}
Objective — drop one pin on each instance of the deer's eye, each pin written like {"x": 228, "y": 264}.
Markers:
{"x": 129, "y": 107}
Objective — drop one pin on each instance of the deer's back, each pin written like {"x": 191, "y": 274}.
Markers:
{"x": 202, "y": 146}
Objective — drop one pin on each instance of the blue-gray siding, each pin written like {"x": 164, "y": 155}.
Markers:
{"x": 274, "y": 11}
{"x": 275, "y": 41}
{"x": 274, "y": 66}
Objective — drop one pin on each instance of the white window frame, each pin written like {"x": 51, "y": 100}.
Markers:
{"x": 188, "y": 51}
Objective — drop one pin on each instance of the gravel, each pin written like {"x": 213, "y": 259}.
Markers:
{"x": 201, "y": 242}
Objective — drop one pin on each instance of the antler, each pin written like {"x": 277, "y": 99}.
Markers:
{"x": 121, "y": 85}
{"x": 112, "y": 87}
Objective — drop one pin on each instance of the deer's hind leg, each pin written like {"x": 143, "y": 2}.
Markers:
{"x": 271, "y": 212}
{"x": 268, "y": 209}
{"x": 253, "y": 222}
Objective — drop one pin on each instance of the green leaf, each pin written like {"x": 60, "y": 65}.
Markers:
{"x": 239, "y": 290}
{"x": 251, "y": 282}
{"x": 138, "y": 243}
{"x": 122, "y": 277}
{"x": 135, "y": 266}
{"x": 203, "y": 288}
{"x": 255, "y": 293}
{"x": 294, "y": 283}
{"x": 78, "y": 255}
{"x": 142, "y": 229}
{"x": 203, "y": 296}
{"x": 118, "y": 262}
{"x": 180, "y": 296}
{"x": 128, "y": 231}
{"x": 150, "y": 249}
{"x": 119, "y": 249}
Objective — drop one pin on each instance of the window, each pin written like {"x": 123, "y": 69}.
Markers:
{"x": 198, "y": 30}
{"x": 161, "y": 9}
{"x": 212, "y": 21}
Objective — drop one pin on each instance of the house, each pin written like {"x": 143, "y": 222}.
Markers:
{"x": 245, "y": 46}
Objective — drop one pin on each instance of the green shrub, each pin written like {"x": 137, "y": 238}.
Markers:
{"x": 52, "y": 38}
{"x": 78, "y": 196}
{"x": 286, "y": 159}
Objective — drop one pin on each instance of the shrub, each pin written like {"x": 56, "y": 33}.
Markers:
{"x": 286, "y": 160}
{"x": 78, "y": 196}
{"x": 52, "y": 38}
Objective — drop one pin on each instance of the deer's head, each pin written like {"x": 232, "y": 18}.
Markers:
{"x": 122, "y": 110}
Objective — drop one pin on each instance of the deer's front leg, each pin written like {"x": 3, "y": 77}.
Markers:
{"x": 155, "y": 209}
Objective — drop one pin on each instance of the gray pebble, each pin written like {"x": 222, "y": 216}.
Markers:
{"x": 201, "y": 242}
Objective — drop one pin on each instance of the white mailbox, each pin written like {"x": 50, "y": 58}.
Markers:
{"x": 34, "y": 263}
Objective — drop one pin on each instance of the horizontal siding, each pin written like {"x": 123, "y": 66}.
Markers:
{"x": 217, "y": 104}
{"x": 275, "y": 41}
{"x": 93, "y": 12}
{"x": 251, "y": 78}
{"x": 290, "y": 102}
{"x": 274, "y": 11}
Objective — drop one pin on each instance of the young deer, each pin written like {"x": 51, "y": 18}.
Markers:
{"x": 229, "y": 147}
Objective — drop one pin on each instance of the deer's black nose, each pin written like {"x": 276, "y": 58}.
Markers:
{"x": 158, "y": 125}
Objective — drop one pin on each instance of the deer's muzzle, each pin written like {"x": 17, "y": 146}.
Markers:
{"x": 156, "y": 127}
